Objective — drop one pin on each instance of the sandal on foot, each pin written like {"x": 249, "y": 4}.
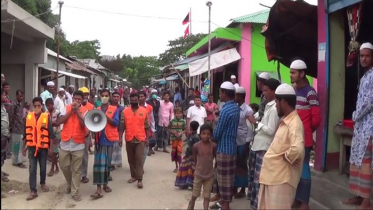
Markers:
{"x": 51, "y": 173}
{"x": 56, "y": 171}
{"x": 21, "y": 165}
{"x": 107, "y": 189}
{"x": 139, "y": 185}
{"x": 5, "y": 179}
{"x": 132, "y": 180}
{"x": 96, "y": 195}
{"x": 45, "y": 188}
{"x": 85, "y": 179}
{"x": 5, "y": 174}
{"x": 175, "y": 170}
{"x": 77, "y": 198}
{"x": 31, "y": 197}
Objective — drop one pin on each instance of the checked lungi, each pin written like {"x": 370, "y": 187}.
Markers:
{"x": 276, "y": 196}
{"x": 254, "y": 187}
{"x": 226, "y": 170}
{"x": 361, "y": 178}
{"x": 117, "y": 154}
{"x": 101, "y": 166}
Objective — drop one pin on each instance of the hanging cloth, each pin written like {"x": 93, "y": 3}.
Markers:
{"x": 354, "y": 20}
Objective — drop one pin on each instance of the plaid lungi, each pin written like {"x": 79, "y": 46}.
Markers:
{"x": 276, "y": 196}
{"x": 226, "y": 168}
{"x": 116, "y": 158}
{"x": 361, "y": 178}
{"x": 101, "y": 166}
{"x": 254, "y": 187}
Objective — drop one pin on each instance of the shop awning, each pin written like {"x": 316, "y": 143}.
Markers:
{"x": 169, "y": 78}
{"x": 217, "y": 36}
{"x": 217, "y": 60}
{"x": 65, "y": 73}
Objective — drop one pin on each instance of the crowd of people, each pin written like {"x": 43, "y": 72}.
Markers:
{"x": 233, "y": 149}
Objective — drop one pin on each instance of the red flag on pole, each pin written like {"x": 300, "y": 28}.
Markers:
{"x": 186, "y": 19}
{"x": 186, "y": 32}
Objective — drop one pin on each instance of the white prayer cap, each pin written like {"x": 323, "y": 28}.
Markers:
{"x": 285, "y": 89}
{"x": 61, "y": 90}
{"x": 50, "y": 83}
{"x": 154, "y": 91}
{"x": 191, "y": 102}
{"x": 233, "y": 77}
{"x": 264, "y": 75}
{"x": 71, "y": 86}
{"x": 366, "y": 45}
{"x": 240, "y": 90}
{"x": 228, "y": 86}
{"x": 298, "y": 64}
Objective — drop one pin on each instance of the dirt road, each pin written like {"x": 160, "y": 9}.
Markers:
{"x": 158, "y": 192}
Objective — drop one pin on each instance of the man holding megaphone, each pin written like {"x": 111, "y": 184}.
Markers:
{"x": 104, "y": 143}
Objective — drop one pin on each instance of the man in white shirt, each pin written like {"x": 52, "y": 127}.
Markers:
{"x": 59, "y": 101}
{"x": 48, "y": 93}
{"x": 196, "y": 113}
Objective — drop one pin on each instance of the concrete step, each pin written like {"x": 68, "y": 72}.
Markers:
{"x": 329, "y": 189}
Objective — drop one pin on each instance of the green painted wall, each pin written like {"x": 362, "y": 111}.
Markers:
{"x": 259, "y": 62}
{"x": 337, "y": 78}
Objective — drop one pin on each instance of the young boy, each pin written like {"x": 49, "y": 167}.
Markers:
{"x": 177, "y": 128}
{"x": 204, "y": 153}
{"x": 55, "y": 144}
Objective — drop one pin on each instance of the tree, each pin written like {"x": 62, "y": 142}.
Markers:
{"x": 177, "y": 49}
{"x": 85, "y": 49}
{"x": 115, "y": 65}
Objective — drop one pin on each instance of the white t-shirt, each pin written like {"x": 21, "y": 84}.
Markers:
{"x": 197, "y": 114}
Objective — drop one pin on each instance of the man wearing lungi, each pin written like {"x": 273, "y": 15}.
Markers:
{"x": 117, "y": 150}
{"x": 282, "y": 164}
{"x": 244, "y": 137}
{"x": 225, "y": 135}
{"x": 104, "y": 143}
{"x": 308, "y": 109}
{"x": 149, "y": 108}
{"x": 361, "y": 164}
{"x": 5, "y": 134}
{"x": 135, "y": 124}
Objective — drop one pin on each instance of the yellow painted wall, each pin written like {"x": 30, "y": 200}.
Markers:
{"x": 337, "y": 77}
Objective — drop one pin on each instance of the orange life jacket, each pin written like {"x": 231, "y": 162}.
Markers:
{"x": 111, "y": 131}
{"x": 72, "y": 127}
{"x": 135, "y": 123}
{"x": 38, "y": 127}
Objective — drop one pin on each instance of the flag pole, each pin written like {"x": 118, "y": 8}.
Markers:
{"x": 190, "y": 20}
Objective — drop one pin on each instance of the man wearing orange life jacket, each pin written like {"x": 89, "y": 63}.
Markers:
{"x": 72, "y": 143}
{"x": 149, "y": 108}
{"x": 104, "y": 143}
{"x": 88, "y": 138}
{"x": 134, "y": 122}
{"x": 38, "y": 136}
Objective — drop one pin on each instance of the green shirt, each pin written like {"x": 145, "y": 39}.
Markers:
{"x": 176, "y": 125}
{"x": 98, "y": 103}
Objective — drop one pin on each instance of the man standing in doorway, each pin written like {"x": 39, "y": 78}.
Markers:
{"x": 48, "y": 93}
{"x": 135, "y": 124}
{"x": 308, "y": 109}
{"x": 282, "y": 164}
{"x": 72, "y": 144}
{"x": 234, "y": 81}
{"x": 225, "y": 135}
{"x": 361, "y": 163}
{"x": 17, "y": 128}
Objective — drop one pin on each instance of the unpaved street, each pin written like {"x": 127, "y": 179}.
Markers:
{"x": 158, "y": 193}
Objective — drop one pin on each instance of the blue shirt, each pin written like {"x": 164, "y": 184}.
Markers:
{"x": 225, "y": 132}
{"x": 103, "y": 141}
{"x": 177, "y": 97}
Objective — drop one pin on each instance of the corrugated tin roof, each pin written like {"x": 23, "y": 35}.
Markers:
{"x": 257, "y": 17}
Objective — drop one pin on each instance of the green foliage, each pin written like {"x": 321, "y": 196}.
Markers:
{"x": 177, "y": 49}
{"x": 85, "y": 49}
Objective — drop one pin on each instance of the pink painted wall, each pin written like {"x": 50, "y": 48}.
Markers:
{"x": 315, "y": 83}
{"x": 322, "y": 87}
{"x": 244, "y": 67}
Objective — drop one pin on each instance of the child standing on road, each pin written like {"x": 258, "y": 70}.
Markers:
{"x": 204, "y": 153}
{"x": 185, "y": 174}
{"x": 177, "y": 128}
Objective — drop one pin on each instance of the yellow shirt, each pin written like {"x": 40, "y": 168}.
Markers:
{"x": 283, "y": 161}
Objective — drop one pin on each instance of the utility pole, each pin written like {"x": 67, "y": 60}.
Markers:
{"x": 58, "y": 41}
{"x": 190, "y": 21}
{"x": 209, "y": 4}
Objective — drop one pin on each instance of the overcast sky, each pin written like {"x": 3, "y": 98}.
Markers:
{"x": 135, "y": 35}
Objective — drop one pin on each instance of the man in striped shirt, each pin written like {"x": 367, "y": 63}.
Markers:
{"x": 308, "y": 109}
{"x": 225, "y": 135}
